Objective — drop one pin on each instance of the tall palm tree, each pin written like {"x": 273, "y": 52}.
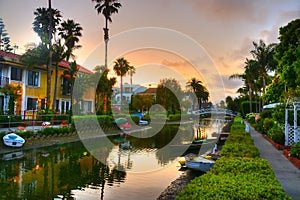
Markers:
{"x": 130, "y": 73}
{"x": 249, "y": 77}
{"x": 45, "y": 23}
{"x": 70, "y": 32}
{"x": 263, "y": 54}
{"x": 107, "y": 8}
{"x": 59, "y": 54}
{"x": 121, "y": 67}
{"x": 199, "y": 90}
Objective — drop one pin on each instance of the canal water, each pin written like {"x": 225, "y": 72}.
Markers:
{"x": 135, "y": 167}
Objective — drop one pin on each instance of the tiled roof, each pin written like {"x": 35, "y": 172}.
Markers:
{"x": 9, "y": 55}
{"x": 63, "y": 63}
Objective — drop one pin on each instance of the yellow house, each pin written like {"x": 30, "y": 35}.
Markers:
{"x": 32, "y": 86}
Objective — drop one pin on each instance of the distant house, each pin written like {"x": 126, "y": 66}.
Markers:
{"x": 128, "y": 91}
{"x": 33, "y": 86}
{"x": 149, "y": 91}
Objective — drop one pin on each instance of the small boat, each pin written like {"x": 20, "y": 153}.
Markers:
{"x": 200, "y": 163}
{"x": 13, "y": 140}
{"x": 125, "y": 126}
{"x": 143, "y": 122}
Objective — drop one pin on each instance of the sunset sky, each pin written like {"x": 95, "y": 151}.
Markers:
{"x": 209, "y": 40}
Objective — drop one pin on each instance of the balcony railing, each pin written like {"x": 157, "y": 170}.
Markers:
{"x": 3, "y": 80}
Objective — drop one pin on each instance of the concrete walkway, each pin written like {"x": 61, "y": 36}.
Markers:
{"x": 287, "y": 174}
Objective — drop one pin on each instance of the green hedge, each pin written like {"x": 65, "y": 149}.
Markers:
{"x": 51, "y": 131}
{"x": 238, "y": 174}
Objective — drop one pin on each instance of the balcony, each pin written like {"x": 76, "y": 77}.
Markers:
{"x": 3, "y": 81}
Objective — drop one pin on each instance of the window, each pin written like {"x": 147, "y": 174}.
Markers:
{"x": 66, "y": 86}
{"x": 16, "y": 74}
{"x": 32, "y": 103}
{"x": 86, "y": 106}
{"x": 33, "y": 78}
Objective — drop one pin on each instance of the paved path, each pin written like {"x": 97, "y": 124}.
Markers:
{"x": 287, "y": 174}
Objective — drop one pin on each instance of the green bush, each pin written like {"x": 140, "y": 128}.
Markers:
{"x": 295, "y": 150}
{"x": 250, "y": 117}
{"x": 268, "y": 124}
{"x": 174, "y": 117}
{"x": 13, "y": 120}
{"x": 266, "y": 113}
{"x": 135, "y": 119}
{"x": 276, "y": 133}
{"x": 51, "y": 131}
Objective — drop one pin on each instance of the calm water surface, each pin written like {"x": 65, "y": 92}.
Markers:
{"x": 137, "y": 168}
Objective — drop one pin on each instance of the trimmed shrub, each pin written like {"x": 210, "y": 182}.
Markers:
{"x": 238, "y": 174}
{"x": 295, "y": 150}
{"x": 268, "y": 124}
{"x": 276, "y": 133}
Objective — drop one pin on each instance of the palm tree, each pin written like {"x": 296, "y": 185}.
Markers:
{"x": 70, "y": 32}
{"x": 103, "y": 88}
{"x": 249, "y": 76}
{"x": 107, "y": 8}
{"x": 72, "y": 73}
{"x": 130, "y": 73}
{"x": 121, "y": 67}
{"x": 263, "y": 54}
{"x": 45, "y": 23}
{"x": 59, "y": 54}
{"x": 199, "y": 90}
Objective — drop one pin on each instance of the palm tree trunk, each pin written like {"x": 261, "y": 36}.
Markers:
{"x": 55, "y": 88}
{"x": 106, "y": 38}
{"x": 250, "y": 98}
{"x": 49, "y": 69}
{"x": 264, "y": 89}
{"x": 121, "y": 92}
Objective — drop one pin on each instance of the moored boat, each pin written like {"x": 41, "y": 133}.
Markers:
{"x": 200, "y": 163}
{"x": 13, "y": 140}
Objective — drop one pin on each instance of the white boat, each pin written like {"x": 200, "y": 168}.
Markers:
{"x": 200, "y": 163}
{"x": 13, "y": 140}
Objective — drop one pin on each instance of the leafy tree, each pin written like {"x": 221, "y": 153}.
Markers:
{"x": 142, "y": 102}
{"x": 11, "y": 91}
{"x": 103, "y": 88}
{"x": 274, "y": 91}
{"x": 121, "y": 68}
{"x": 169, "y": 94}
{"x": 287, "y": 56}
{"x": 4, "y": 38}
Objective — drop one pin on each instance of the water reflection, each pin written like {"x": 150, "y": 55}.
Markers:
{"x": 55, "y": 171}
{"x": 49, "y": 172}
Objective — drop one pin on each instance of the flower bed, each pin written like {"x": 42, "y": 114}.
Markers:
{"x": 293, "y": 160}
{"x": 277, "y": 146}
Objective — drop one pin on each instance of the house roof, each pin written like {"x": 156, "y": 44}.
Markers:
{"x": 65, "y": 64}
{"x": 150, "y": 90}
